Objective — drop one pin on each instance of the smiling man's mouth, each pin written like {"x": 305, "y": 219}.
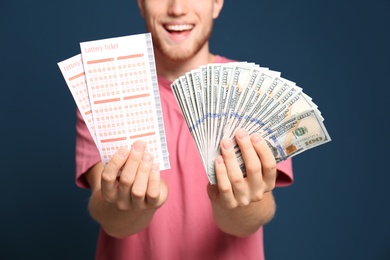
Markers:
{"x": 177, "y": 28}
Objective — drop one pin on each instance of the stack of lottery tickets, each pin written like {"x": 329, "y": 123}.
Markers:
{"x": 218, "y": 99}
{"x": 114, "y": 84}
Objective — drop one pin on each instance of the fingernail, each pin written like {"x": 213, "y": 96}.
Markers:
{"x": 138, "y": 147}
{"x": 256, "y": 138}
{"x": 219, "y": 160}
{"x": 123, "y": 152}
{"x": 147, "y": 158}
{"x": 155, "y": 167}
{"x": 227, "y": 144}
{"x": 242, "y": 134}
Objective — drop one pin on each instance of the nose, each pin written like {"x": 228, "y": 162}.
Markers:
{"x": 178, "y": 7}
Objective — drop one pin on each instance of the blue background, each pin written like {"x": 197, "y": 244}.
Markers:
{"x": 337, "y": 51}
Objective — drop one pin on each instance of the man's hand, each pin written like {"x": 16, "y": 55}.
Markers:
{"x": 125, "y": 204}
{"x": 242, "y": 204}
{"x": 139, "y": 185}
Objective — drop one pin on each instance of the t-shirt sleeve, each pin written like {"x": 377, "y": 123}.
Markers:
{"x": 87, "y": 154}
{"x": 285, "y": 173}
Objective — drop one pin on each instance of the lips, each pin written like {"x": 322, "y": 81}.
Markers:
{"x": 177, "y": 28}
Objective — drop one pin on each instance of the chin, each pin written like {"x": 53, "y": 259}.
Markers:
{"x": 180, "y": 52}
{"x": 179, "y": 56}
{"x": 175, "y": 54}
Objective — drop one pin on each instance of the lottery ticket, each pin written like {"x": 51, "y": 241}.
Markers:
{"x": 73, "y": 71}
{"x": 120, "y": 98}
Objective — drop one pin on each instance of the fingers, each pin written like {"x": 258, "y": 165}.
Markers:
{"x": 148, "y": 190}
{"x": 128, "y": 174}
{"x": 132, "y": 164}
{"x": 139, "y": 183}
{"x": 226, "y": 195}
{"x": 253, "y": 165}
{"x": 138, "y": 190}
{"x": 231, "y": 171}
{"x": 268, "y": 163}
{"x": 110, "y": 173}
{"x": 157, "y": 191}
{"x": 230, "y": 160}
{"x": 260, "y": 167}
{"x": 259, "y": 161}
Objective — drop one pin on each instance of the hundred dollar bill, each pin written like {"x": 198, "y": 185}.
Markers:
{"x": 226, "y": 78}
{"x": 197, "y": 96}
{"x": 188, "y": 95}
{"x": 293, "y": 136}
{"x": 263, "y": 109}
{"x": 215, "y": 74}
{"x": 256, "y": 98}
{"x": 202, "y": 77}
{"x": 178, "y": 92}
{"x": 243, "y": 101}
{"x": 274, "y": 109}
{"x": 297, "y": 134}
{"x": 228, "y": 102}
{"x": 290, "y": 105}
{"x": 242, "y": 74}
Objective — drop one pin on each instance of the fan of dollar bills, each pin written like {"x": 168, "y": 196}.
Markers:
{"x": 218, "y": 99}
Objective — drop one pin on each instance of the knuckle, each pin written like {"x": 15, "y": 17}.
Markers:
{"x": 257, "y": 196}
{"x": 225, "y": 191}
{"x": 153, "y": 196}
{"x": 137, "y": 194}
{"x": 270, "y": 165}
{"x": 106, "y": 177}
{"x": 273, "y": 165}
{"x": 252, "y": 167}
{"x": 243, "y": 202}
{"x": 108, "y": 197}
{"x": 271, "y": 186}
{"x": 122, "y": 205}
{"x": 126, "y": 181}
{"x": 231, "y": 205}
{"x": 114, "y": 163}
{"x": 236, "y": 180}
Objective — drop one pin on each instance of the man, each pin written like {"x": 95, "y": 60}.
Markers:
{"x": 176, "y": 214}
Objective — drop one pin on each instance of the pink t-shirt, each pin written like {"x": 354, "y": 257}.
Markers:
{"x": 183, "y": 228}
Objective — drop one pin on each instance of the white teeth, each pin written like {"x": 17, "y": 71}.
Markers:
{"x": 179, "y": 27}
